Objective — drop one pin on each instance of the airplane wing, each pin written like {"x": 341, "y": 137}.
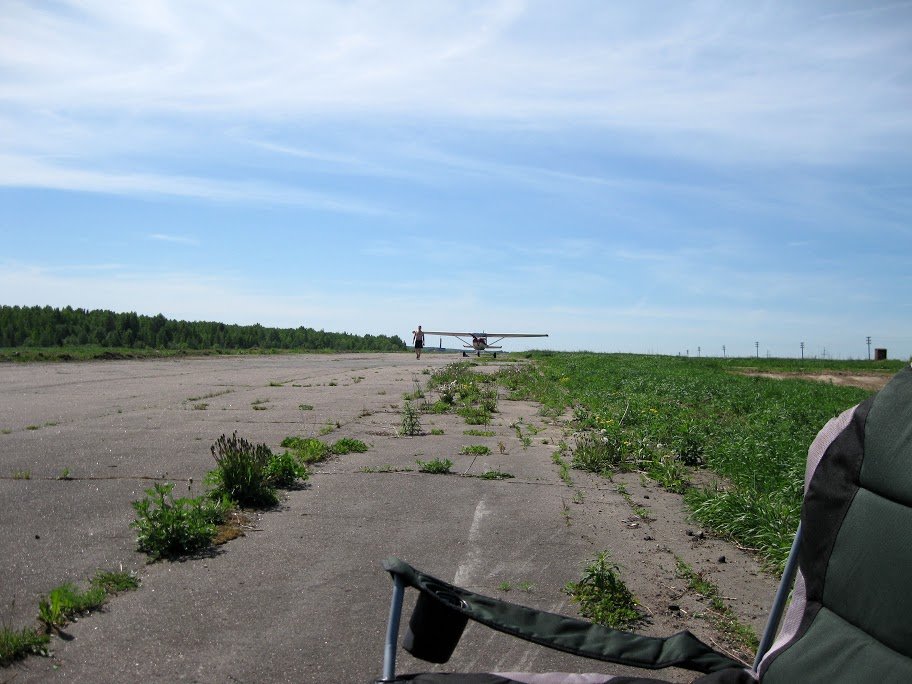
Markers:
{"x": 516, "y": 334}
{"x": 483, "y": 334}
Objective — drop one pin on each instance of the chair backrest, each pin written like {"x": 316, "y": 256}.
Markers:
{"x": 851, "y": 614}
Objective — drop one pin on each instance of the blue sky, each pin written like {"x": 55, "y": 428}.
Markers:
{"x": 638, "y": 177}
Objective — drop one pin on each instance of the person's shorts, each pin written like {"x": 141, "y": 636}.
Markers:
{"x": 419, "y": 344}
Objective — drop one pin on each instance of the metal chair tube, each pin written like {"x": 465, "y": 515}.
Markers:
{"x": 392, "y": 630}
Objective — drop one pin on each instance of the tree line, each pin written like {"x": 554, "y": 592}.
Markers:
{"x": 44, "y": 326}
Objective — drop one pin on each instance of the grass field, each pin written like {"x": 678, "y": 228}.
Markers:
{"x": 687, "y": 420}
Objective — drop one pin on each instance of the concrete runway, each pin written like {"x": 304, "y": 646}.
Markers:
{"x": 302, "y": 596}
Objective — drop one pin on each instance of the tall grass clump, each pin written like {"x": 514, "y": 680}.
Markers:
{"x": 249, "y": 474}
{"x": 242, "y": 471}
{"x": 600, "y": 452}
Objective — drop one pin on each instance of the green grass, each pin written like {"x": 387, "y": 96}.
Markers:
{"x": 475, "y": 450}
{"x": 666, "y": 416}
{"x": 479, "y": 433}
{"x": 18, "y": 644}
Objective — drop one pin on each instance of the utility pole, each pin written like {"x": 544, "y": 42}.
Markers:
{"x": 802, "y": 351}
{"x": 869, "y": 347}
{"x": 723, "y": 351}
{"x": 698, "y": 352}
{"x": 757, "y": 347}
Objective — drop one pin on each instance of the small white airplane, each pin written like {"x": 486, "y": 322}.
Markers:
{"x": 480, "y": 341}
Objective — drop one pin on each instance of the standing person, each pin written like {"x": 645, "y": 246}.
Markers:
{"x": 418, "y": 337}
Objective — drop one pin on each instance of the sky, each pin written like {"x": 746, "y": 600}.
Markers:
{"x": 701, "y": 178}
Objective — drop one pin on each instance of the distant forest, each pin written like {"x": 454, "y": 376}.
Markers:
{"x": 39, "y": 326}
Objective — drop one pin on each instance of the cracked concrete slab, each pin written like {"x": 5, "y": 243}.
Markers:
{"x": 302, "y": 596}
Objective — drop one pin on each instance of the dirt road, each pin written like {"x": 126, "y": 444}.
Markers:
{"x": 302, "y": 596}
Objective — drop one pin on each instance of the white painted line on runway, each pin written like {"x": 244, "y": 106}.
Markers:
{"x": 473, "y": 557}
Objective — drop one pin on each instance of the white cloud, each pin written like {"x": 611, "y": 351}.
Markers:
{"x": 24, "y": 172}
{"x": 179, "y": 239}
{"x": 710, "y": 80}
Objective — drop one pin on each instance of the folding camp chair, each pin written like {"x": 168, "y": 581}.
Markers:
{"x": 850, "y": 616}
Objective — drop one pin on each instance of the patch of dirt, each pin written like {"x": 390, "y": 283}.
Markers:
{"x": 873, "y": 381}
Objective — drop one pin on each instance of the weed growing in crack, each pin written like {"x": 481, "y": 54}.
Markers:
{"x": 242, "y": 473}
{"x": 348, "y": 445}
{"x": 563, "y": 467}
{"x": 308, "y": 449}
{"x": 719, "y": 614}
{"x": 411, "y": 423}
{"x": 168, "y": 527}
{"x": 17, "y": 644}
{"x": 66, "y": 601}
{"x": 602, "y": 595}
{"x": 519, "y": 586}
{"x": 494, "y": 475}
{"x": 285, "y": 470}
{"x": 115, "y": 581}
{"x": 435, "y": 466}
{"x": 384, "y": 469}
